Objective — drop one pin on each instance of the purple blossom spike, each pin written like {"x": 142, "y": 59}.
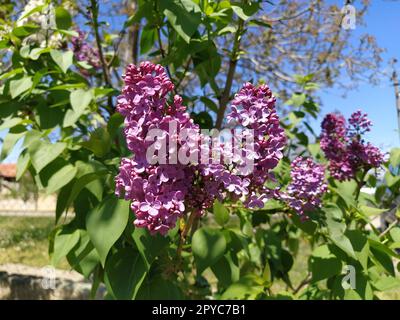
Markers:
{"x": 85, "y": 52}
{"x": 344, "y": 147}
{"x": 307, "y": 186}
{"x": 160, "y": 193}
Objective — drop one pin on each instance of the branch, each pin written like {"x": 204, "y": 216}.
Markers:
{"x": 163, "y": 55}
{"x": 135, "y": 44}
{"x": 306, "y": 281}
{"x": 183, "y": 74}
{"x": 223, "y": 101}
{"x": 294, "y": 16}
{"x": 94, "y": 8}
{"x": 95, "y": 12}
{"x": 184, "y": 233}
{"x": 390, "y": 227}
{"x": 121, "y": 35}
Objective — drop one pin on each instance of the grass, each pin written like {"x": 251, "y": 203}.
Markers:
{"x": 24, "y": 240}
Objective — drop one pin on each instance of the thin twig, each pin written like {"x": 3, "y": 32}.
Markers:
{"x": 390, "y": 227}
{"x": 305, "y": 281}
{"x": 294, "y": 16}
{"x": 182, "y": 238}
{"x": 224, "y": 99}
{"x": 183, "y": 75}
{"x": 360, "y": 184}
{"x": 116, "y": 46}
{"x": 94, "y": 8}
{"x": 162, "y": 51}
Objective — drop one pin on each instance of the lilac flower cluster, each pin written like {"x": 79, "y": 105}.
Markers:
{"x": 83, "y": 51}
{"x": 307, "y": 185}
{"x": 344, "y": 147}
{"x": 157, "y": 192}
{"x": 161, "y": 193}
{"x": 254, "y": 108}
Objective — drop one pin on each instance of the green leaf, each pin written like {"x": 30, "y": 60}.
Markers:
{"x": 324, "y": 264}
{"x": 11, "y": 73}
{"x": 307, "y": 226}
{"x": 114, "y": 124}
{"x": 208, "y": 247}
{"x": 337, "y": 229}
{"x": 48, "y": 118}
{"x": 209, "y": 103}
{"x": 63, "y": 244}
{"x": 10, "y": 122}
{"x": 387, "y": 283}
{"x": 24, "y": 51}
{"x": 83, "y": 257}
{"x": 360, "y": 245}
{"x": 381, "y": 247}
{"x": 105, "y": 224}
{"x": 381, "y": 257}
{"x": 227, "y": 29}
{"x": 147, "y": 39}
{"x": 124, "y": 273}
{"x": 68, "y": 86}
{"x": 297, "y": 100}
{"x": 70, "y": 118}
{"x": 343, "y": 243}
{"x": 22, "y": 164}
{"x": 221, "y": 214}
{"x": 391, "y": 180}
{"x": 63, "y": 18}
{"x": 62, "y": 58}
{"x": 240, "y": 13}
{"x": 9, "y": 142}
{"x": 183, "y": 15}
{"x": 25, "y": 30}
{"x": 346, "y": 191}
{"x": 43, "y": 152}
{"x": 248, "y": 287}
{"x": 36, "y": 52}
{"x": 35, "y": 9}
{"x": 84, "y": 181}
{"x": 267, "y": 273}
{"x": 19, "y": 86}
{"x": 226, "y": 271}
{"x": 80, "y": 100}
{"x": 99, "y": 142}
{"x": 149, "y": 246}
{"x": 395, "y": 234}
{"x": 370, "y": 211}
{"x": 157, "y": 288}
{"x": 61, "y": 178}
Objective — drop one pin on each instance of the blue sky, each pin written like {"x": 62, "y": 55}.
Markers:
{"x": 383, "y": 21}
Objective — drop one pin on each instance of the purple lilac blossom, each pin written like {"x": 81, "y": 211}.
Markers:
{"x": 157, "y": 191}
{"x": 85, "y": 52}
{"x": 344, "y": 147}
{"x": 254, "y": 108}
{"x": 307, "y": 185}
{"x": 162, "y": 193}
